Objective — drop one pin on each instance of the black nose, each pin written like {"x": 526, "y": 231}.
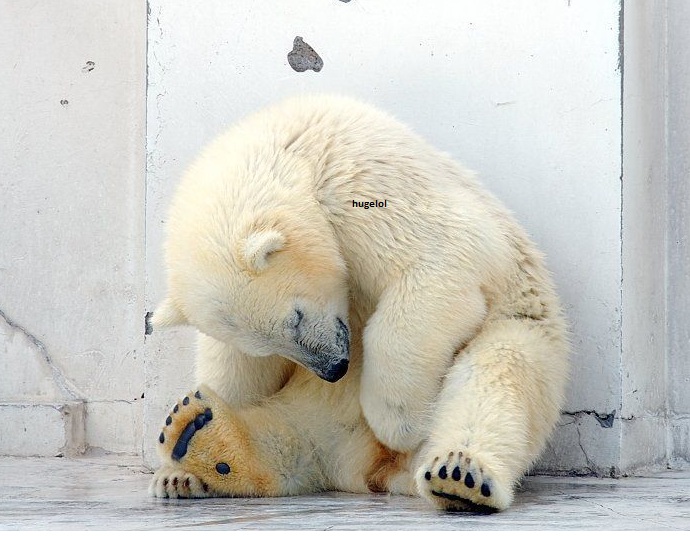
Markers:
{"x": 336, "y": 371}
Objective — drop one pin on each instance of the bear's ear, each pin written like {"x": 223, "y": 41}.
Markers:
{"x": 167, "y": 314}
{"x": 259, "y": 245}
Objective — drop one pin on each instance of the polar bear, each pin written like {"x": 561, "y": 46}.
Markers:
{"x": 414, "y": 344}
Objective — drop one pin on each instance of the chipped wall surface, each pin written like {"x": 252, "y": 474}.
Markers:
{"x": 72, "y": 235}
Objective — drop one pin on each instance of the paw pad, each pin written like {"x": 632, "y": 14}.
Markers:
{"x": 187, "y": 434}
{"x": 223, "y": 468}
{"x": 456, "y": 474}
{"x": 468, "y": 487}
{"x": 485, "y": 490}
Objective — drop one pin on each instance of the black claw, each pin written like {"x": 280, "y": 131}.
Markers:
{"x": 176, "y": 408}
{"x": 469, "y": 481}
{"x": 427, "y": 475}
{"x": 443, "y": 473}
{"x": 486, "y": 491}
{"x": 161, "y": 438}
{"x": 223, "y": 468}
{"x": 185, "y": 401}
{"x": 197, "y": 395}
{"x": 456, "y": 474}
{"x": 208, "y": 414}
{"x": 168, "y": 421}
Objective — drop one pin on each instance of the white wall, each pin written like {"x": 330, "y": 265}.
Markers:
{"x": 72, "y": 111}
{"x": 531, "y": 95}
{"x": 678, "y": 238}
{"x": 527, "y": 94}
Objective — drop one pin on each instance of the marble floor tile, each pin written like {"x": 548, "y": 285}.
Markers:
{"x": 110, "y": 493}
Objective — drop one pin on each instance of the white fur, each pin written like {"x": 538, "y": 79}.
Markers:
{"x": 259, "y": 245}
{"x": 464, "y": 345}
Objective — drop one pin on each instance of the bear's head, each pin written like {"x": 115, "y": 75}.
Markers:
{"x": 274, "y": 284}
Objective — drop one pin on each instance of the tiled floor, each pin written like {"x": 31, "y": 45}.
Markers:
{"x": 110, "y": 493}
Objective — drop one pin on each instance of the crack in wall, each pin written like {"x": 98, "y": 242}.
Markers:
{"x": 588, "y": 462}
{"x": 605, "y": 420}
{"x": 59, "y": 378}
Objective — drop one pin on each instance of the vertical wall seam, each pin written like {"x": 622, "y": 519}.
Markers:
{"x": 146, "y": 171}
{"x": 144, "y": 353}
{"x": 666, "y": 224}
{"x": 621, "y": 69}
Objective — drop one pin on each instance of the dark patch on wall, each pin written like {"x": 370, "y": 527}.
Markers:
{"x": 148, "y": 328}
{"x": 64, "y": 102}
{"x": 606, "y": 421}
{"x": 90, "y": 66}
{"x": 302, "y": 57}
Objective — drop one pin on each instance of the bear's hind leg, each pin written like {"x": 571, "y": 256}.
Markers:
{"x": 499, "y": 402}
{"x": 297, "y": 442}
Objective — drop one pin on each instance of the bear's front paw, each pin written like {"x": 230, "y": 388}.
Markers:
{"x": 207, "y": 451}
{"x": 461, "y": 481}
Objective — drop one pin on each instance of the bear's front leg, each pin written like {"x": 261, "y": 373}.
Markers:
{"x": 207, "y": 450}
{"x": 500, "y": 401}
{"x": 409, "y": 344}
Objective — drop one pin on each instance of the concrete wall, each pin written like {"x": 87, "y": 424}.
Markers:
{"x": 565, "y": 126}
{"x": 645, "y": 390}
{"x": 537, "y": 113}
{"x": 678, "y": 230}
{"x": 72, "y": 163}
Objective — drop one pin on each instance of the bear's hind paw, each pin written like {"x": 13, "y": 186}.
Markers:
{"x": 187, "y": 417}
{"x": 208, "y": 448}
{"x": 172, "y": 483}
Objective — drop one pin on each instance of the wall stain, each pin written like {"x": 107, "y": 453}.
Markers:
{"x": 64, "y": 102}
{"x": 302, "y": 57}
{"x": 90, "y": 66}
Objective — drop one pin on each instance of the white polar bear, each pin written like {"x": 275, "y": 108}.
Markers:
{"x": 320, "y": 235}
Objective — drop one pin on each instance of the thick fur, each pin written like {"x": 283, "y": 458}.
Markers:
{"x": 454, "y": 334}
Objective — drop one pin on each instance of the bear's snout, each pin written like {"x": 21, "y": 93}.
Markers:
{"x": 336, "y": 371}
{"x": 322, "y": 344}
